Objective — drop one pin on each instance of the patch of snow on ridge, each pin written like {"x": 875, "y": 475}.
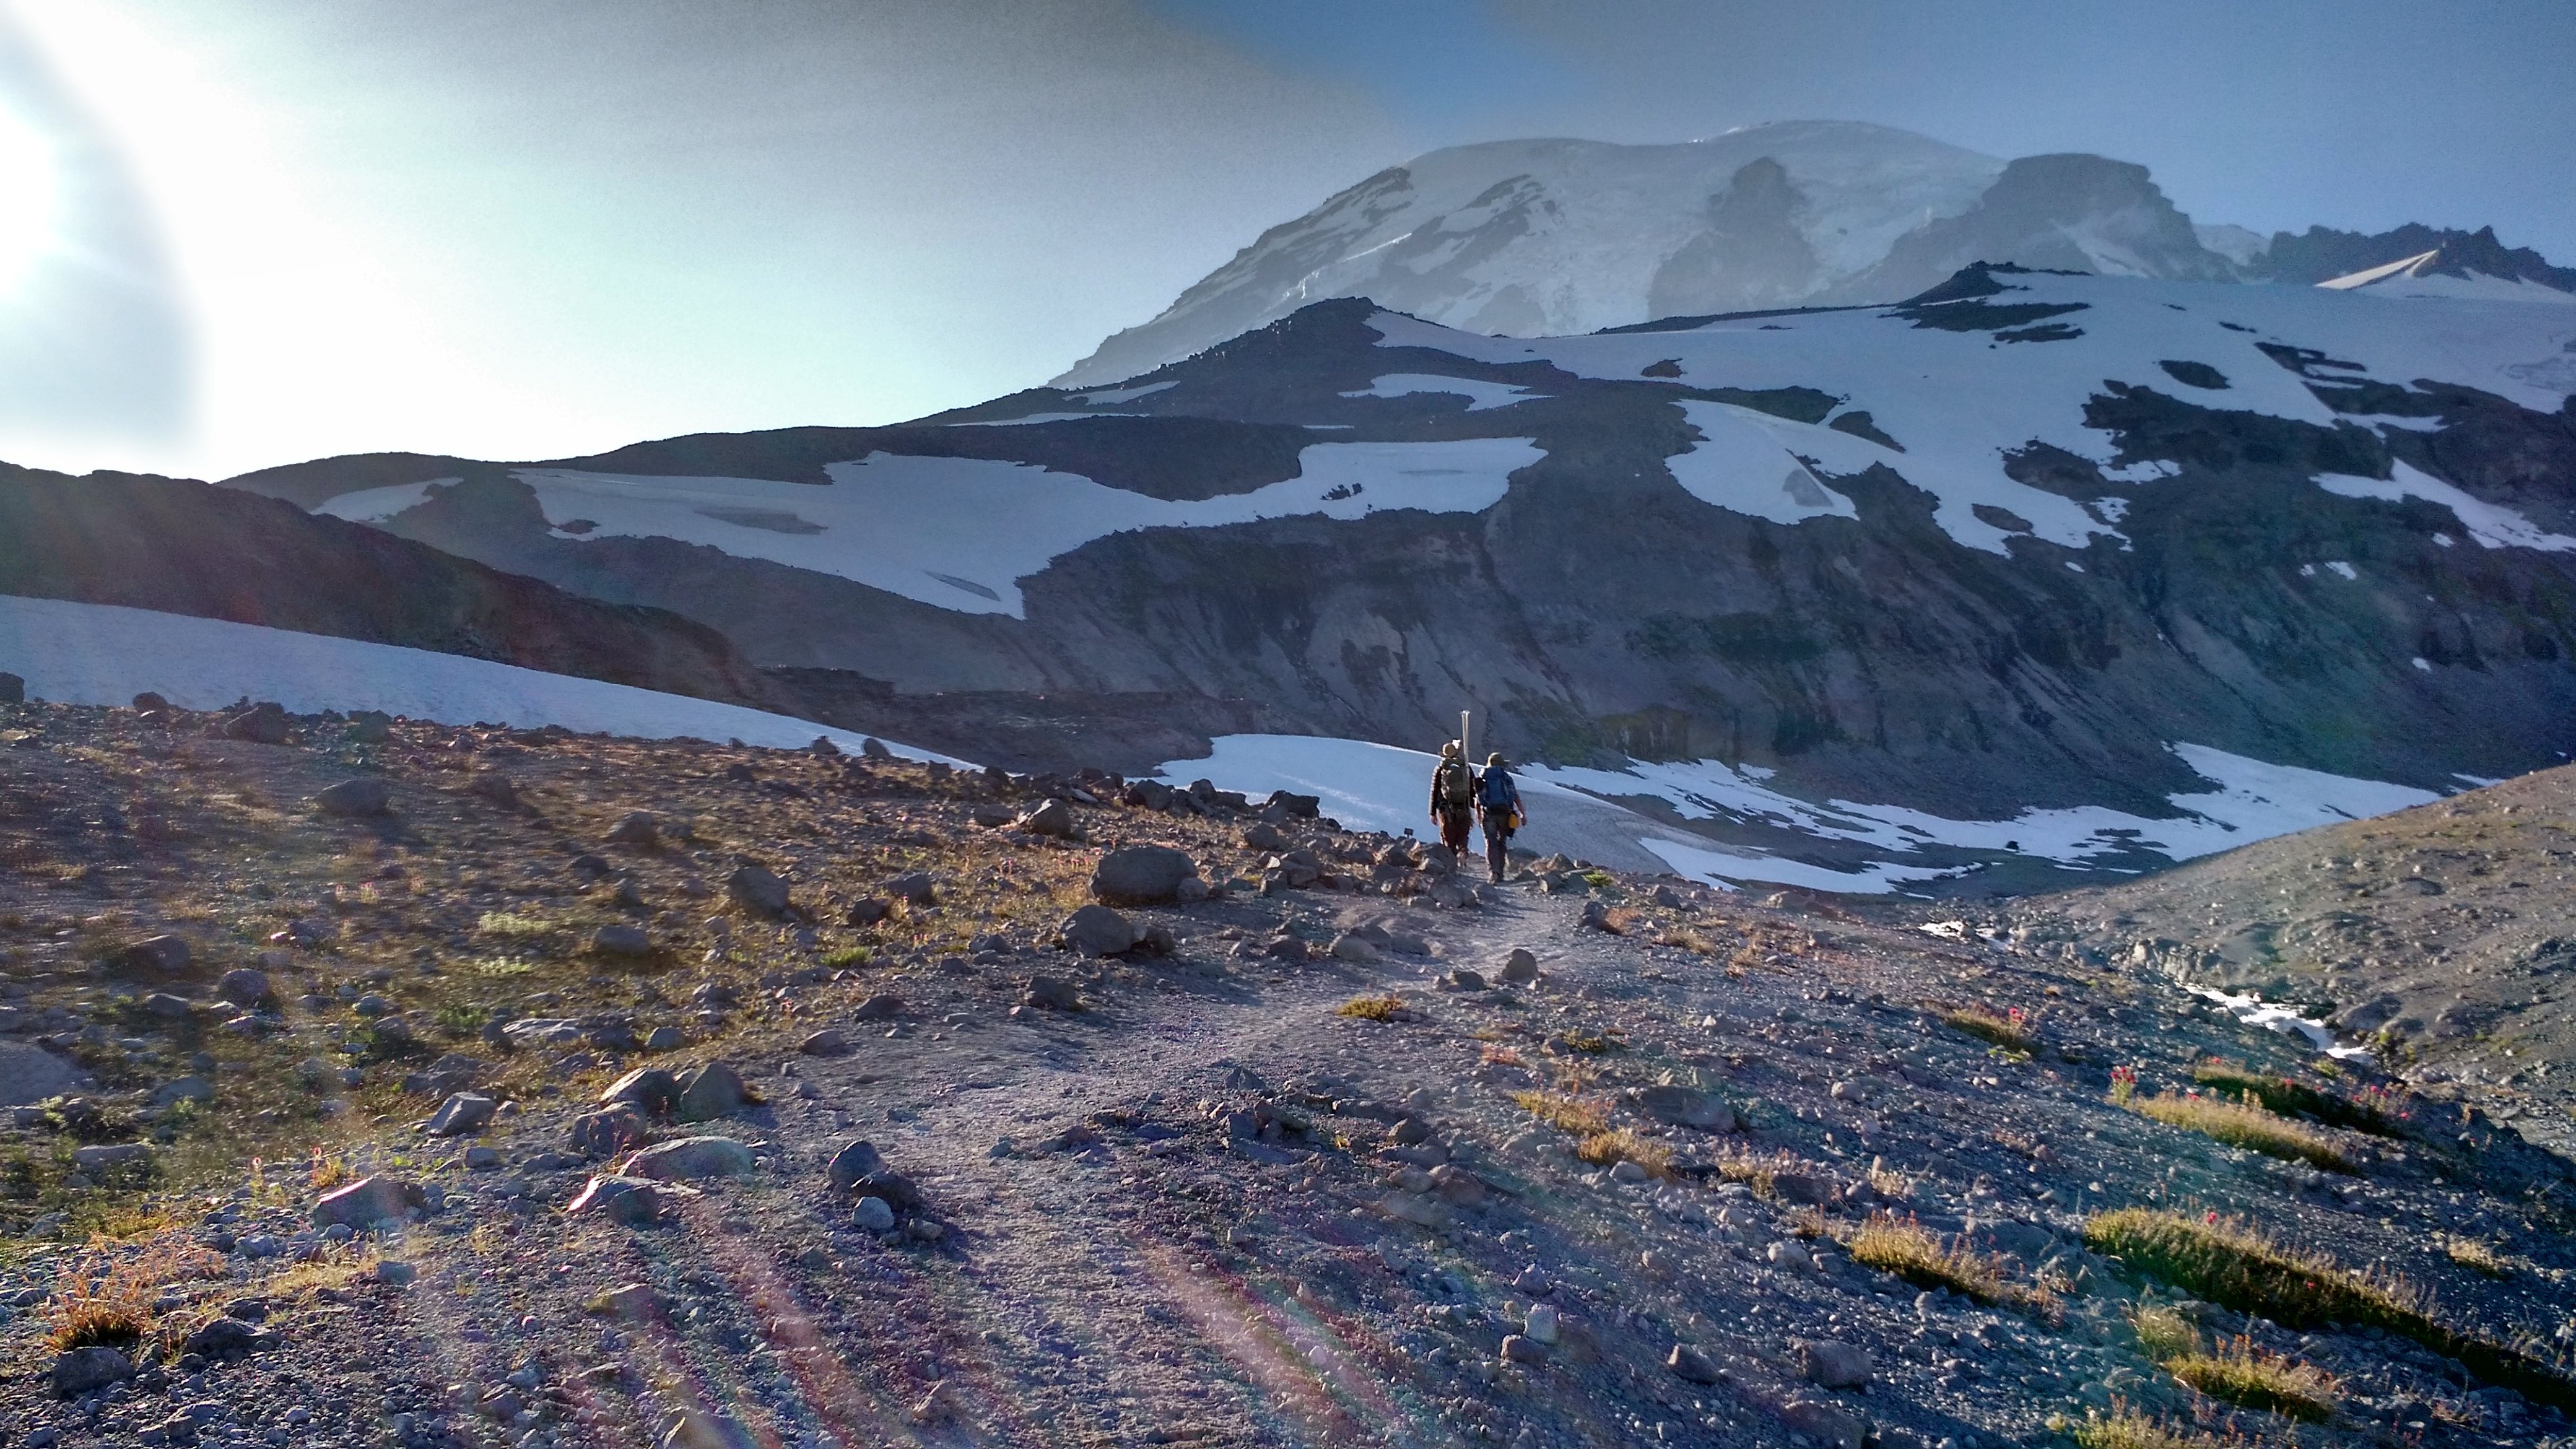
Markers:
{"x": 1741, "y": 465}
{"x": 375, "y": 505}
{"x": 2491, "y": 524}
{"x": 1124, "y": 394}
{"x": 76, "y": 653}
{"x": 1480, "y": 395}
{"x": 959, "y": 533}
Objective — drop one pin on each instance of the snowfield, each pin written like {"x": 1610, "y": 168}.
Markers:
{"x": 1959, "y": 400}
{"x": 1574, "y": 810}
{"x": 102, "y": 654}
{"x": 960, "y": 533}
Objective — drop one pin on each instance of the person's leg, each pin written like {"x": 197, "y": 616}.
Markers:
{"x": 1497, "y": 852}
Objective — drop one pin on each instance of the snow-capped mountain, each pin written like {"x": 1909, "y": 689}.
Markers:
{"x": 1553, "y": 237}
{"x": 2035, "y": 571}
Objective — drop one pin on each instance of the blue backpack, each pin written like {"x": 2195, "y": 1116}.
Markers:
{"x": 1497, "y": 792}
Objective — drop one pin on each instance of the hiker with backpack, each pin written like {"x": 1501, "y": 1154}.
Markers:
{"x": 1453, "y": 797}
{"x": 1498, "y": 799}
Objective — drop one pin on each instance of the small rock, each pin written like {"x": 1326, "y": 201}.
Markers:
{"x": 168, "y": 954}
{"x": 649, "y": 1090}
{"x": 637, "y": 830}
{"x": 87, "y": 1370}
{"x": 183, "y": 1089}
{"x": 261, "y": 724}
{"x": 1787, "y": 1254}
{"x": 1354, "y": 949}
{"x": 1518, "y": 1349}
{"x": 634, "y": 1302}
{"x": 1142, "y": 875}
{"x": 621, "y": 940}
{"x": 1054, "y": 993}
{"x": 872, "y": 1215}
{"x": 666, "y": 1039}
{"x": 688, "y": 1158}
{"x": 854, "y": 1161}
{"x": 604, "y": 1134}
{"x": 1693, "y": 1366}
{"x": 1457, "y": 1186}
{"x": 1289, "y": 949}
{"x": 867, "y": 912}
{"x": 493, "y": 787}
{"x": 1542, "y": 1323}
{"x": 243, "y": 987}
{"x": 1833, "y": 1365}
{"x": 632, "y": 1201}
{"x": 1628, "y": 1172}
{"x": 394, "y": 1273}
{"x": 914, "y": 889}
{"x": 1464, "y": 979}
{"x": 1804, "y": 1189}
{"x": 363, "y": 796}
{"x": 711, "y": 1091}
{"x": 755, "y": 888}
{"x": 462, "y": 1114}
{"x": 1267, "y": 838}
{"x": 95, "y": 1160}
{"x": 829, "y": 1042}
{"x": 1099, "y": 931}
{"x": 1053, "y": 819}
{"x": 881, "y": 1006}
{"x": 227, "y": 1337}
{"x": 1825, "y": 1423}
{"x": 1520, "y": 968}
{"x": 363, "y": 1204}
{"x": 479, "y": 1158}
{"x": 1684, "y": 1107}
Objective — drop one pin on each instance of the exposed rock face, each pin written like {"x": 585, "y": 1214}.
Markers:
{"x": 2070, "y": 212}
{"x": 1752, "y": 255}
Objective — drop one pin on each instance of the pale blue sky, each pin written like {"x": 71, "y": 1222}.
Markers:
{"x": 525, "y": 228}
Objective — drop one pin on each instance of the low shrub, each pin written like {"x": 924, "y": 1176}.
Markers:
{"x": 2012, "y": 1030}
{"x": 1564, "y": 1112}
{"x": 1626, "y": 1144}
{"x": 1907, "y": 1249}
{"x": 1371, "y": 1008}
{"x": 2241, "y": 1374}
{"x": 2292, "y": 1098}
{"x": 2245, "y": 1124}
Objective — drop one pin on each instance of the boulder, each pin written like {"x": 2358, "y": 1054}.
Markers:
{"x": 370, "y": 727}
{"x": 880, "y": 1006}
{"x": 1099, "y": 931}
{"x": 167, "y": 954}
{"x": 1267, "y": 838}
{"x": 1353, "y": 949}
{"x": 1141, "y": 875}
{"x": 530, "y": 1032}
{"x": 685, "y": 1159}
{"x": 363, "y": 796}
{"x": 756, "y": 888}
{"x": 1834, "y": 1365}
{"x": 711, "y": 1091}
{"x": 867, "y": 912}
{"x": 461, "y": 1114}
{"x": 629, "y": 942}
{"x": 1297, "y": 807}
{"x": 829, "y": 1042}
{"x": 86, "y": 1370}
{"x": 363, "y": 1204}
{"x": 632, "y": 1201}
{"x": 1676, "y": 1106}
{"x": 243, "y": 987}
{"x": 168, "y": 1007}
{"x": 634, "y": 1302}
{"x": 1053, "y": 819}
{"x": 605, "y": 1133}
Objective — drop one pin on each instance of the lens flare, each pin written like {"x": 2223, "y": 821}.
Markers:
{"x": 28, "y": 197}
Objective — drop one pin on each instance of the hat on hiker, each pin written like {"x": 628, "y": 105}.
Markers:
{"x": 1449, "y": 751}
{"x": 1495, "y": 758}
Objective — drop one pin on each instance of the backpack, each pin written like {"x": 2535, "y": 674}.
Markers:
{"x": 1457, "y": 785}
{"x": 1499, "y": 792}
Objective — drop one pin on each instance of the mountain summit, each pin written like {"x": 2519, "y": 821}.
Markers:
{"x": 1556, "y": 237}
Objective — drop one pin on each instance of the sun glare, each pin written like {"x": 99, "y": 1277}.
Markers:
{"x": 28, "y": 189}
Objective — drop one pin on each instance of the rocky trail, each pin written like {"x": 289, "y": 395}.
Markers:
{"x": 1343, "y": 1152}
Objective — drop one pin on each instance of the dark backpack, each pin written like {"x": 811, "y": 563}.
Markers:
{"x": 1499, "y": 791}
{"x": 1457, "y": 785}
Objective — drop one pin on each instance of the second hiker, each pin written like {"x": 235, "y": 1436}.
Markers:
{"x": 1498, "y": 799}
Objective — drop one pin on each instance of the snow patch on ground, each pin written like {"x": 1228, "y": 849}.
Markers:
{"x": 2492, "y": 525}
{"x": 1573, "y": 809}
{"x": 75, "y": 653}
{"x": 1480, "y": 395}
{"x": 960, "y": 533}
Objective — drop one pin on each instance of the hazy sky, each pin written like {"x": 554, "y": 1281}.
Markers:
{"x": 242, "y": 232}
